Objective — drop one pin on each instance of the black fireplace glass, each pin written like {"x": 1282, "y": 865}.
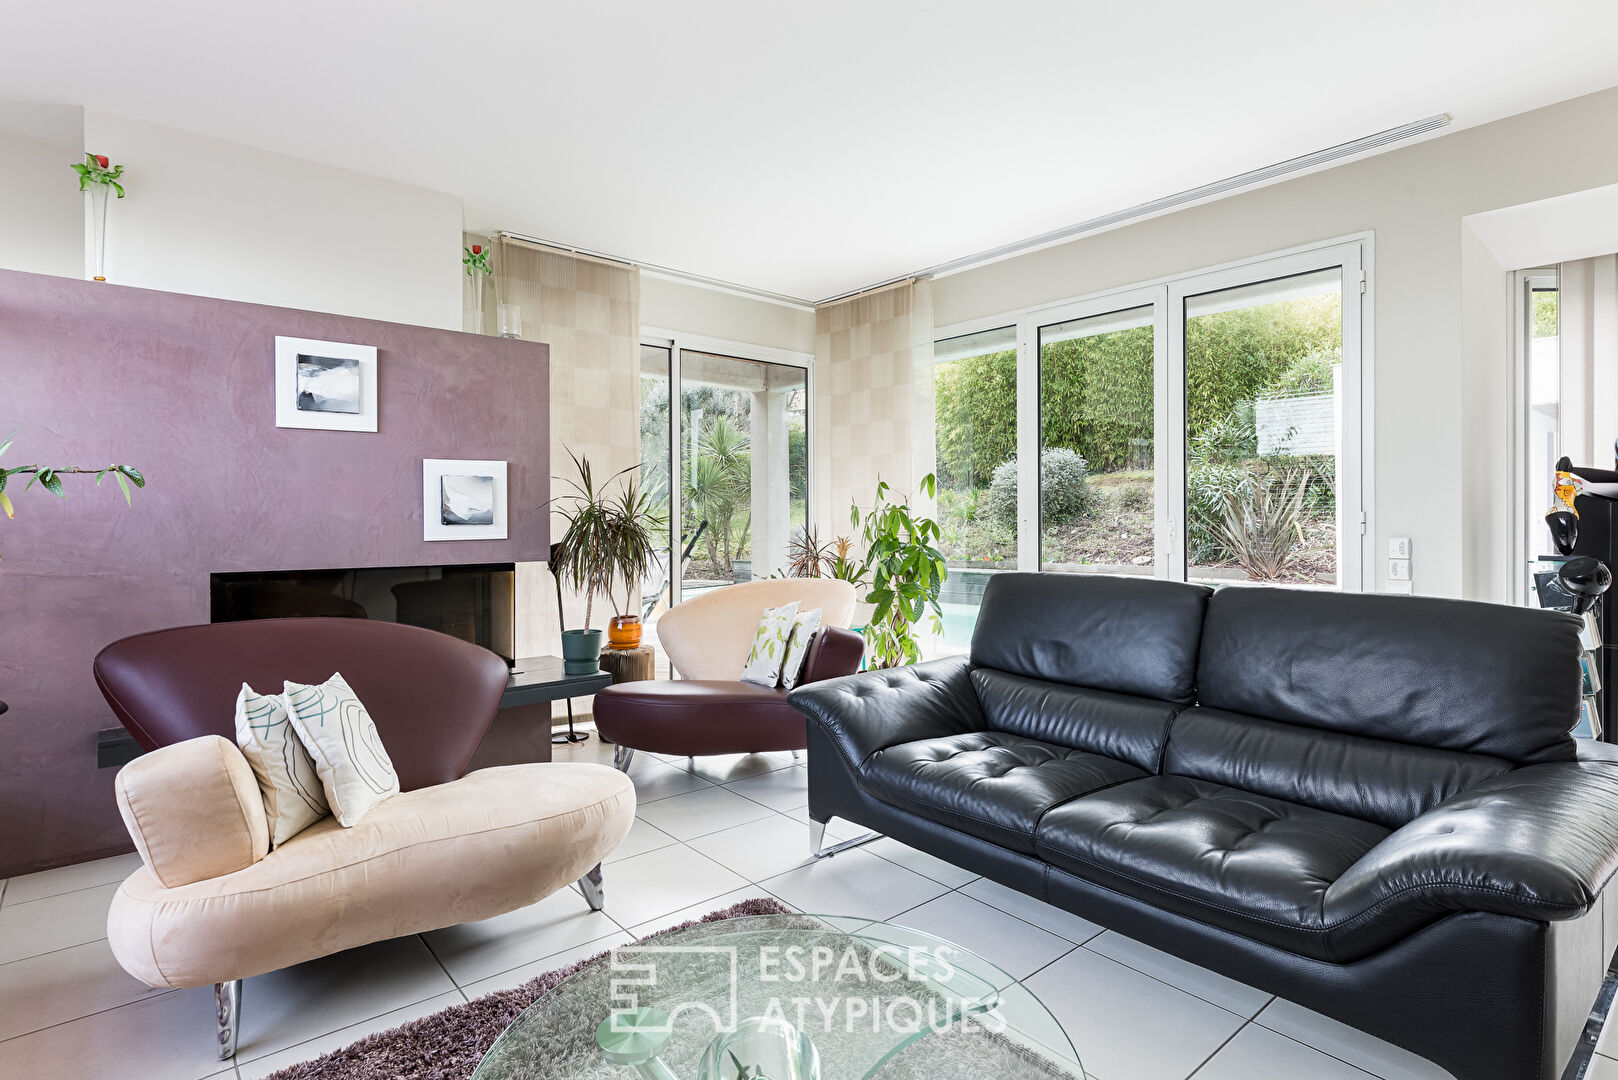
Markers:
{"x": 475, "y": 602}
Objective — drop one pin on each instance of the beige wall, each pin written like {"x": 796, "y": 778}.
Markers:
{"x": 41, "y": 208}
{"x": 1442, "y": 464}
{"x": 217, "y": 218}
{"x": 694, "y": 309}
{"x": 872, "y": 414}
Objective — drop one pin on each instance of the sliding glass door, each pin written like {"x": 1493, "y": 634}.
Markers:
{"x": 743, "y": 461}
{"x": 1263, "y": 431}
{"x": 975, "y": 402}
{"x": 730, "y": 435}
{"x": 1207, "y": 428}
{"x": 1097, "y": 450}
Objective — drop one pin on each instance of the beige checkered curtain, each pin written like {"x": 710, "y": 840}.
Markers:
{"x": 873, "y": 406}
{"x": 588, "y": 311}
{"x": 1587, "y": 413}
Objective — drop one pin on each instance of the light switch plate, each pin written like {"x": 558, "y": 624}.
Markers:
{"x": 1403, "y": 588}
{"x": 1398, "y": 569}
{"x": 1399, "y": 547}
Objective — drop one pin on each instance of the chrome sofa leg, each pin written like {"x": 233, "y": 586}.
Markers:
{"x": 227, "y": 1006}
{"x": 590, "y": 884}
{"x": 621, "y": 757}
{"x": 817, "y": 840}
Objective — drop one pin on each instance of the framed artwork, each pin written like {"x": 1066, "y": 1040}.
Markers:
{"x": 325, "y": 385}
{"x": 463, "y": 500}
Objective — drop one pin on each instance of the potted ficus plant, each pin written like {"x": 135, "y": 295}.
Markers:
{"x": 98, "y": 176}
{"x": 907, "y": 573}
{"x": 608, "y": 539}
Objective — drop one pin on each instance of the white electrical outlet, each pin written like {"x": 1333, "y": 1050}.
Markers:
{"x": 1399, "y": 547}
{"x": 1398, "y": 569}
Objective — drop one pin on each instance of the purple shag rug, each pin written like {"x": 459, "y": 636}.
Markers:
{"x": 448, "y": 1045}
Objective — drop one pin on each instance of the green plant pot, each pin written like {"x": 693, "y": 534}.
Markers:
{"x": 581, "y": 651}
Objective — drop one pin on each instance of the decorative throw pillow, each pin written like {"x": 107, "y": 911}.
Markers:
{"x": 804, "y": 628}
{"x": 293, "y": 798}
{"x": 354, "y": 769}
{"x": 770, "y": 646}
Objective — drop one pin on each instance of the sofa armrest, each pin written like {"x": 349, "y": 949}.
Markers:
{"x": 833, "y": 652}
{"x": 874, "y": 710}
{"x": 1539, "y": 842}
{"x": 194, "y": 810}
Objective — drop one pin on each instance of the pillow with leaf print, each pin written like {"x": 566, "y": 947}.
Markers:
{"x": 805, "y": 625}
{"x": 354, "y": 769}
{"x": 769, "y": 650}
{"x": 293, "y": 797}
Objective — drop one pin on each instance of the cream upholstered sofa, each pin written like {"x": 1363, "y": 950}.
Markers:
{"x": 212, "y": 904}
{"x": 708, "y": 636}
{"x": 709, "y": 710}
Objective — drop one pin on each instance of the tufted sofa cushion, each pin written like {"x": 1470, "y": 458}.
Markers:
{"x": 990, "y": 784}
{"x": 1246, "y": 862}
{"x": 1124, "y": 635}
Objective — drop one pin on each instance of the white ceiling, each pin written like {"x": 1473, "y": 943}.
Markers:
{"x": 802, "y": 148}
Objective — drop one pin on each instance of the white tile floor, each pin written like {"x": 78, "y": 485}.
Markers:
{"x": 709, "y": 833}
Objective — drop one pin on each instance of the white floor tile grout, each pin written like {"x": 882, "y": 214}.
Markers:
{"x": 679, "y": 850}
{"x": 1221, "y": 1046}
{"x": 83, "y": 1016}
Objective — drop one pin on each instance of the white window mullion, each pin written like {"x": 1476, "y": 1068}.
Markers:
{"x": 1028, "y": 555}
{"x": 1353, "y": 541}
{"x": 676, "y": 480}
{"x": 1171, "y": 470}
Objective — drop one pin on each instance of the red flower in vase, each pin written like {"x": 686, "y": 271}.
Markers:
{"x": 477, "y": 249}
{"x": 101, "y": 160}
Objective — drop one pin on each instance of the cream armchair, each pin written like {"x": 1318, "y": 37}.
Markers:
{"x": 211, "y": 903}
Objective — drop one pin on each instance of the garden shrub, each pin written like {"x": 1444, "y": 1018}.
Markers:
{"x": 1064, "y": 488}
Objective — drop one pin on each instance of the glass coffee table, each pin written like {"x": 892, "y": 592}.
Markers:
{"x": 786, "y": 997}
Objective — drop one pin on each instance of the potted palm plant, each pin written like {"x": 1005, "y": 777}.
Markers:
{"x": 634, "y": 525}
{"x": 607, "y": 537}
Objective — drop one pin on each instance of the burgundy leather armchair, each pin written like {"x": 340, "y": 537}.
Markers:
{"x": 708, "y": 637}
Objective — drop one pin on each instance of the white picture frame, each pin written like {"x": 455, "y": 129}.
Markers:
{"x": 455, "y": 486}
{"x": 304, "y": 367}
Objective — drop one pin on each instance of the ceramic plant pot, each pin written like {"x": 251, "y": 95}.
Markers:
{"x": 623, "y": 632}
{"x": 581, "y": 651}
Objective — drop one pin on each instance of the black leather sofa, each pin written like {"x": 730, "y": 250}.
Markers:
{"x": 1369, "y": 805}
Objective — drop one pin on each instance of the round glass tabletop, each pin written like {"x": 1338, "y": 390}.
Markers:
{"x": 786, "y": 997}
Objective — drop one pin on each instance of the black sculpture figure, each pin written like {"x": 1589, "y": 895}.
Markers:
{"x": 1586, "y": 577}
{"x": 1563, "y": 517}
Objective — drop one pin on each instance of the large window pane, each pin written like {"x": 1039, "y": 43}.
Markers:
{"x": 1096, "y": 402}
{"x": 655, "y": 463}
{"x": 1263, "y": 431}
{"x": 975, "y": 403}
{"x": 744, "y": 464}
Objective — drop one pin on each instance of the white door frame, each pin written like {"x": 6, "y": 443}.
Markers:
{"x": 1521, "y": 327}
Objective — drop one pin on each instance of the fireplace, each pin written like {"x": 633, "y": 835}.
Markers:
{"x": 475, "y": 602}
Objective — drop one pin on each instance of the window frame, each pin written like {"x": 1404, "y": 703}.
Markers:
{"x": 1354, "y": 253}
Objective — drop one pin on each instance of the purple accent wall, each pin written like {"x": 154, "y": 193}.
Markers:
{"x": 182, "y": 388}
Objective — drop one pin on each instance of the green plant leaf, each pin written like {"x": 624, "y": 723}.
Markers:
{"x": 134, "y": 475}
{"x": 123, "y": 485}
{"x": 5, "y": 504}
{"x": 52, "y": 483}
